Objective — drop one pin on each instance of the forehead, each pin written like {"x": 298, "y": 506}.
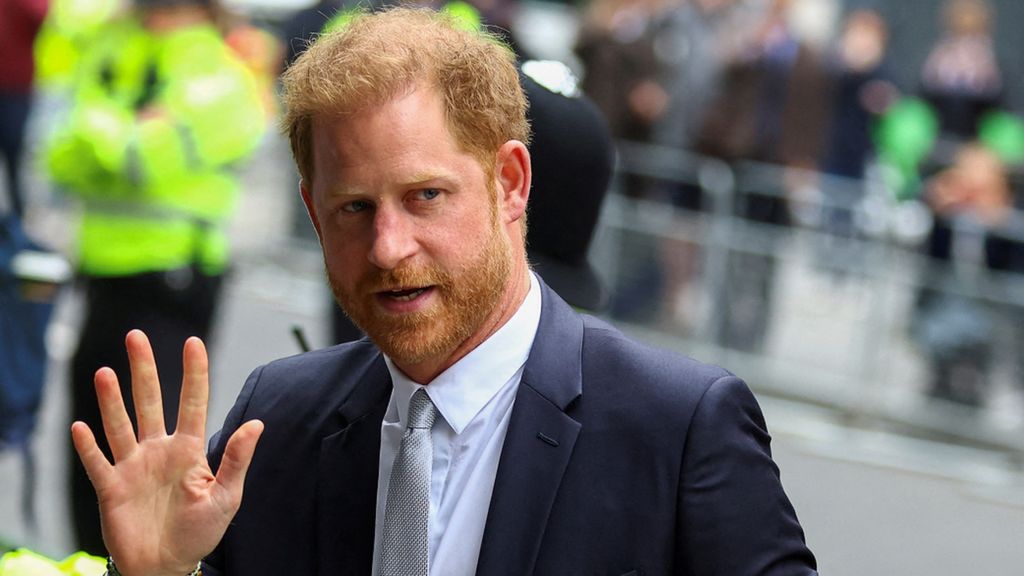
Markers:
{"x": 405, "y": 139}
{"x": 409, "y": 118}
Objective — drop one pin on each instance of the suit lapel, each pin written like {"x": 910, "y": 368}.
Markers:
{"x": 538, "y": 444}
{"x": 347, "y": 477}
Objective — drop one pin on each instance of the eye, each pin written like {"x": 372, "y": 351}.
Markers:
{"x": 429, "y": 193}
{"x": 357, "y": 206}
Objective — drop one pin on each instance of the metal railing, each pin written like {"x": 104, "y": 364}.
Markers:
{"x": 813, "y": 287}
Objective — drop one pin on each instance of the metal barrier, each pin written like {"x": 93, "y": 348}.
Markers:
{"x": 815, "y": 288}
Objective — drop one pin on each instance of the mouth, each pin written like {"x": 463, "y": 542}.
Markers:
{"x": 404, "y": 294}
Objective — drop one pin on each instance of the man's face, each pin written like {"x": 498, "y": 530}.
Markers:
{"x": 412, "y": 230}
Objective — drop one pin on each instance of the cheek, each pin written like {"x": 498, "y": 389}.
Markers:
{"x": 341, "y": 252}
{"x": 460, "y": 242}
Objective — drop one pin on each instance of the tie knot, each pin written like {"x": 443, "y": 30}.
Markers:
{"x": 421, "y": 410}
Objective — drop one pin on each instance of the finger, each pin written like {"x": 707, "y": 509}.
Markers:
{"x": 234, "y": 465}
{"x": 116, "y": 424}
{"x": 149, "y": 407}
{"x": 195, "y": 389}
{"x": 96, "y": 464}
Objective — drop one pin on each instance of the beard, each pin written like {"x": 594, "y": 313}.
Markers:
{"x": 465, "y": 297}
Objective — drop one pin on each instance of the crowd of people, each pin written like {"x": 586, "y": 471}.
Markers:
{"x": 739, "y": 81}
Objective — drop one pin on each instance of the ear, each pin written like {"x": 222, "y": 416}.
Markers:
{"x": 513, "y": 173}
{"x": 307, "y": 199}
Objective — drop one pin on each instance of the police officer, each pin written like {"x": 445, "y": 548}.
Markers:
{"x": 161, "y": 110}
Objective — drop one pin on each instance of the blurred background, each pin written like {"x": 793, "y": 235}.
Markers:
{"x": 822, "y": 195}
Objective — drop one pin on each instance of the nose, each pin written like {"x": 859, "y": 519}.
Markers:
{"x": 394, "y": 238}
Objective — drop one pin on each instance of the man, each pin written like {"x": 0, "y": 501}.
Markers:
{"x": 161, "y": 110}
{"x": 538, "y": 441}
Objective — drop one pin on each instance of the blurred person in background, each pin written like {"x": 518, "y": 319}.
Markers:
{"x": 690, "y": 46}
{"x": 691, "y": 43}
{"x": 621, "y": 72}
{"x": 957, "y": 329}
{"x": 962, "y": 78}
{"x": 20, "y": 21}
{"x": 769, "y": 109}
{"x": 622, "y": 76}
{"x": 161, "y": 110}
{"x": 572, "y": 159}
{"x": 860, "y": 90}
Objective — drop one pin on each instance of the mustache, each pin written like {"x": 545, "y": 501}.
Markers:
{"x": 403, "y": 278}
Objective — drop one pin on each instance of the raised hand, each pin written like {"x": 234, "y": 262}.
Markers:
{"x": 162, "y": 508}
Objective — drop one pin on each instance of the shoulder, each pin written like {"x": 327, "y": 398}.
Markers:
{"x": 297, "y": 396}
{"x": 308, "y": 382}
{"x": 608, "y": 348}
{"x": 577, "y": 354}
{"x": 310, "y": 372}
{"x": 653, "y": 382}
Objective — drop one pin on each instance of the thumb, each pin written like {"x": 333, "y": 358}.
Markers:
{"x": 237, "y": 456}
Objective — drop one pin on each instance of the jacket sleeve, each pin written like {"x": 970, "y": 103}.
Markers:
{"x": 735, "y": 517}
{"x": 87, "y": 152}
{"x": 214, "y": 564}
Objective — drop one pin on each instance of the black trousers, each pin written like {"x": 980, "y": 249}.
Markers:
{"x": 14, "y": 111}
{"x": 169, "y": 307}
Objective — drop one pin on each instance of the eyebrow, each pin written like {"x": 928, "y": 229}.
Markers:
{"x": 417, "y": 180}
{"x": 421, "y": 178}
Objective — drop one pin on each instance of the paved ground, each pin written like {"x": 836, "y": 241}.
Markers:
{"x": 871, "y": 502}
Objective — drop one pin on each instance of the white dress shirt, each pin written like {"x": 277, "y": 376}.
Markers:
{"x": 474, "y": 400}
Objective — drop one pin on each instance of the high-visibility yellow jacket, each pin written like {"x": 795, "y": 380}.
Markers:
{"x": 156, "y": 126}
{"x": 69, "y": 28}
{"x": 27, "y": 563}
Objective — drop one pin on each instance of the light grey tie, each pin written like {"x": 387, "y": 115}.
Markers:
{"x": 403, "y": 550}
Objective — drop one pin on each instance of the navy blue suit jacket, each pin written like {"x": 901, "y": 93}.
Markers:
{"x": 619, "y": 459}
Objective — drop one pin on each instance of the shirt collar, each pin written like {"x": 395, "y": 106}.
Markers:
{"x": 461, "y": 391}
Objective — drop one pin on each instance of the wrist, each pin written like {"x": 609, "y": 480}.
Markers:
{"x": 113, "y": 571}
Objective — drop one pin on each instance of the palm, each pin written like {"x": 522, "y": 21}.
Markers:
{"x": 162, "y": 507}
{"x": 164, "y": 482}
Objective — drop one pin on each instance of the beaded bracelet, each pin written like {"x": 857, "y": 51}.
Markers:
{"x": 113, "y": 571}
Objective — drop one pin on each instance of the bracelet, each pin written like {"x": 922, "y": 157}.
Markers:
{"x": 111, "y": 568}
{"x": 113, "y": 571}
